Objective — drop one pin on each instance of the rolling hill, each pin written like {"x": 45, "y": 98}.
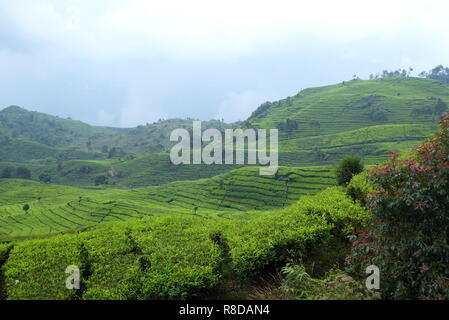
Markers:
{"x": 56, "y": 209}
{"x": 318, "y": 126}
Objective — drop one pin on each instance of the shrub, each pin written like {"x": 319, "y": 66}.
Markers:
{"x": 408, "y": 239}
{"x": 339, "y": 211}
{"x": 275, "y": 237}
{"x": 4, "y": 249}
{"x": 359, "y": 188}
{"x": 348, "y": 167}
{"x": 114, "y": 271}
{"x": 35, "y": 269}
{"x": 157, "y": 258}
{"x": 182, "y": 257}
{"x": 4, "y": 252}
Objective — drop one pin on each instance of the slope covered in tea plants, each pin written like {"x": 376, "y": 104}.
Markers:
{"x": 54, "y": 208}
{"x": 318, "y": 126}
{"x": 174, "y": 257}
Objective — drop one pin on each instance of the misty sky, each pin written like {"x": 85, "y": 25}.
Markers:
{"x": 128, "y": 62}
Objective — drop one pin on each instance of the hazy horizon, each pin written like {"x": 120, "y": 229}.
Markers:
{"x": 124, "y": 63}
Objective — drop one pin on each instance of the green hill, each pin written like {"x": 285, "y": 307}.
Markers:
{"x": 150, "y": 138}
{"x": 367, "y": 118}
{"x": 355, "y": 104}
{"x": 22, "y": 149}
{"x": 48, "y": 130}
{"x": 57, "y": 132}
{"x": 318, "y": 126}
{"x": 56, "y": 208}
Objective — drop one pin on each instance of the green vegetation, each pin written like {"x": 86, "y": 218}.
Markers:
{"x": 407, "y": 238}
{"x": 360, "y": 187}
{"x": 58, "y": 208}
{"x": 110, "y": 202}
{"x": 174, "y": 257}
{"x": 318, "y": 126}
{"x": 336, "y": 285}
{"x": 347, "y": 168}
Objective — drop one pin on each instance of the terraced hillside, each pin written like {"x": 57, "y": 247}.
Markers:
{"x": 367, "y": 118}
{"x": 237, "y": 194}
{"x": 318, "y": 126}
{"x": 370, "y": 143}
{"x": 355, "y": 104}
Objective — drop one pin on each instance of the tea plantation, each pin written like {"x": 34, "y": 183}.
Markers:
{"x": 109, "y": 201}
{"x": 54, "y": 209}
{"x": 173, "y": 257}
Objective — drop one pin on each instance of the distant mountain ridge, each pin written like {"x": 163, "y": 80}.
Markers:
{"x": 53, "y": 131}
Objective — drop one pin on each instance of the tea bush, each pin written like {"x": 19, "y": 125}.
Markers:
{"x": 182, "y": 257}
{"x": 339, "y": 211}
{"x": 359, "y": 188}
{"x": 157, "y": 258}
{"x": 273, "y": 238}
{"x": 289, "y": 233}
{"x": 112, "y": 260}
{"x": 175, "y": 257}
{"x": 4, "y": 249}
{"x": 36, "y": 269}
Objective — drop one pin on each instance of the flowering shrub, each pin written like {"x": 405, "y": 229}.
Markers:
{"x": 408, "y": 239}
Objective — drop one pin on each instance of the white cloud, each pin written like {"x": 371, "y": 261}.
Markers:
{"x": 204, "y": 29}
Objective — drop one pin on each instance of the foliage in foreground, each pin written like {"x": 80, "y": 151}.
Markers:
{"x": 336, "y": 285}
{"x": 408, "y": 239}
{"x": 174, "y": 257}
